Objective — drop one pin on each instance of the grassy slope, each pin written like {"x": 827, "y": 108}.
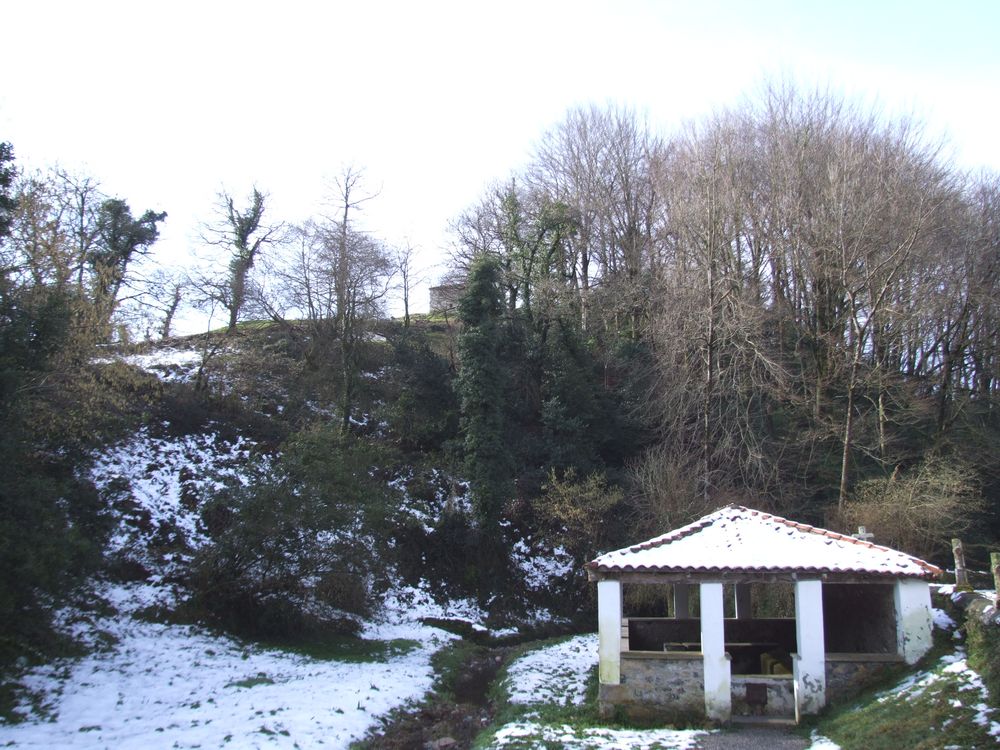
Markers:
{"x": 940, "y": 705}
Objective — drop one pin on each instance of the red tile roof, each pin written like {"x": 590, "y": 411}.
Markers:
{"x": 735, "y": 539}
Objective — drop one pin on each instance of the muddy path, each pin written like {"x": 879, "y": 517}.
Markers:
{"x": 453, "y": 714}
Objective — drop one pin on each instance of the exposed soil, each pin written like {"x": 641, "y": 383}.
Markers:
{"x": 446, "y": 722}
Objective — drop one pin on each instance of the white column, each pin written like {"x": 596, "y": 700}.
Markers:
{"x": 718, "y": 691}
{"x": 912, "y": 598}
{"x": 742, "y": 596}
{"x": 810, "y": 662}
{"x": 682, "y": 607}
{"x": 609, "y": 629}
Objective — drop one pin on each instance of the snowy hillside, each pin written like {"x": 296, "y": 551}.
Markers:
{"x": 147, "y": 683}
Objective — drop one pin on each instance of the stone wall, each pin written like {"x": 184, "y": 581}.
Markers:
{"x": 445, "y": 297}
{"x": 657, "y": 688}
{"x": 779, "y": 701}
{"x": 848, "y": 674}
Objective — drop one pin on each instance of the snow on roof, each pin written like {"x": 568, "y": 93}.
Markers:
{"x": 738, "y": 539}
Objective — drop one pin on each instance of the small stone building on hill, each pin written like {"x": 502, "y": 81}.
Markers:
{"x": 445, "y": 297}
{"x": 859, "y": 608}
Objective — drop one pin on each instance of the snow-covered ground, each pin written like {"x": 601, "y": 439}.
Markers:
{"x": 169, "y": 364}
{"x": 952, "y": 671}
{"x": 184, "y": 687}
{"x": 532, "y": 734}
{"x": 157, "y": 484}
{"x": 147, "y": 684}
{"x": 555, "y": 674}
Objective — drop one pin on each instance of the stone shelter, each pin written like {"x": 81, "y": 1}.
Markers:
{"x": 859, "y": 609}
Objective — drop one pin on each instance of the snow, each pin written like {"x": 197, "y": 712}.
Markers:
{"x": 738, "y": 538}
{"x": 412, "y": 603}
{"x": 539, "y": 567}
{"x": 594, "y": 738}
{"x": 554, "y": 674}
{"x": 942, "y": 620}
{"x": 819, "y": 742}
{"x": 954, "y": 669}
{"x": 182, "y": 686}
{"x": 167, "y": 363}
{"x": 156, "y": 484}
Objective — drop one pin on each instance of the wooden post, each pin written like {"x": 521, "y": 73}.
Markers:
{"x": 961, "y": 574}
{"x": 995, "y": 567}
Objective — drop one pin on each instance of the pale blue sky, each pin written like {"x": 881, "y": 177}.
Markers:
{"x": 168, "y": 103}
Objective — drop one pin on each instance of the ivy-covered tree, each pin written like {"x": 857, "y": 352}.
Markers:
{"x": 7, "y": 201}
{"x": 244, "y": 234}
{"x": 121, "y": 238}
{"x": 483, "y": 382}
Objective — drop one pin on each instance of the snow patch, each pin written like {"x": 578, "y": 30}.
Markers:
{"x": 168, "y": 364}
{"x": 530, "y": 734}
{"x": 819, "y": 742}
{"x": 158, "y": 484}
{"x": 942, "y": 620}
{"x": 554, "y": 674}
{"x": 538, "y": 566}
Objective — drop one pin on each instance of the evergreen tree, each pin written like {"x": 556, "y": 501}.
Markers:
{"x": 483, "y": 383}
{"x": 121, "y": 238}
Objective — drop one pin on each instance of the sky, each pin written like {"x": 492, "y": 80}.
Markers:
{"x": 167, "y": 104}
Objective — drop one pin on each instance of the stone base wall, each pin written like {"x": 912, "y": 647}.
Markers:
{"x": 848, "y": 674}
{"x": 778, "y": 696}
{"x": 657, "y": 688}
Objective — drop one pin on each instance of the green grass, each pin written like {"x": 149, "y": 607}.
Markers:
{"x": 935, "y": 712}
{"x": 259, "y": 679}
{"x": 345, "y": 648}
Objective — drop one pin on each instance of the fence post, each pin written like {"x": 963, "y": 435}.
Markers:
{"x": 995, "y": 567}
{"x": 961, "y": 574}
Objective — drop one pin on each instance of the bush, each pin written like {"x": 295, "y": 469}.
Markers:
{"x": 666, "y": 491}
{"x": 292, "y": 555}
{"x": 578, "y": 514}
{"x": 51, "y": 531}
{"x": 918, "y": 511}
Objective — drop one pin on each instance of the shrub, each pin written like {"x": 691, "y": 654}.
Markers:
{"x": 578, "y": 514}
{"x": 292, "y": 554}
{"x": 918, "y": 511}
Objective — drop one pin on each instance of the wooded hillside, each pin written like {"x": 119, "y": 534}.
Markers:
{"x": 792, "y": 305}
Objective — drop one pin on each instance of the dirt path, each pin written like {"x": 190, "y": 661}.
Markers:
{"x": 445, "y": 722}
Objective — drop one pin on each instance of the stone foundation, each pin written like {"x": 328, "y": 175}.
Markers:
{"x": 662, "y": 688}
{"x": 657, "y": 688}
{"x": 849, "y": 674}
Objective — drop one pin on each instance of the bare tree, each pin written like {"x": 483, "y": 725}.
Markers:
{"x": 361, "y": 282}
{"x": 404, "y": 261}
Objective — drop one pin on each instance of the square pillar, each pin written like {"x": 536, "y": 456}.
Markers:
{"x": 810, "y": 661}
{"x": 742, "y": 596}
{"x": 609, "y": 629}
{"x": 718, "y": 689}
{"x": 682, "y": 606}
{"x": 912, "y": 599}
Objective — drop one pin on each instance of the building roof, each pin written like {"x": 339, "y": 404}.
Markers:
{"x": 735, "y": 539}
